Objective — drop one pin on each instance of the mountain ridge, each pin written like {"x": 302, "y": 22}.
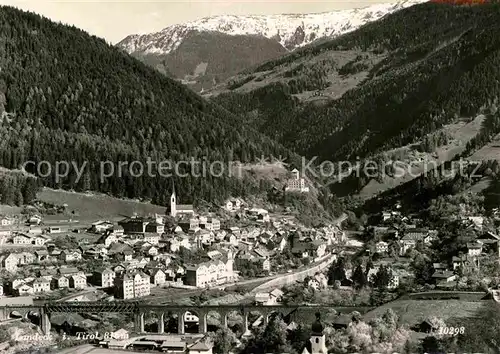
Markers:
{"x": 290, "y": 30}
{"x": 205, "y": 52}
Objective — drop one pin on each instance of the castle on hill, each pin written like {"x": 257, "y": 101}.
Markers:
{"x": 296, "y": 183}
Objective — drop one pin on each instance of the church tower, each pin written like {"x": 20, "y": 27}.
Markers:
{"x": 318, "y": 340}
{"x": 173, "y": 202}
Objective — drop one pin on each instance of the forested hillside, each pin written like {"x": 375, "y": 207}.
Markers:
{"x": 385, "y": 85}
{"x": 206, "y": 58}
{"x": 67, "y": 96}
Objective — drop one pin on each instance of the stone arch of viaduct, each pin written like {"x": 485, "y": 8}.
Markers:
{"x": 10, "y": 312}
{"x": 202, "y": 313}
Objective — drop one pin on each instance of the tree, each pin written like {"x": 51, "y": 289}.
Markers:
{"x": 275, "y": 336}
{"x": 223, "y": 340}
{"x": 382, "y": 278}
{"x": 272, "y": 340}
{"x": 432, "y": 344}
{"x": 336, "y": 271}
{"x": 298, "y": 337}
{"x": 359, "y": 277}
{"x": 423, "y": 269}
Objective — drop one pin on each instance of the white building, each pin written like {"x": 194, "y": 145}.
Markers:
{"x": 296, "y": 183}
{"x": 232, "y": 204}
{"x": 210, "y": 273}
{"x": 78, "y": 281}
{"x": 5, "y": 221}
{"x": 382, "y": 247}
{"x": 41, "y": 285}
{"x": 474, "y": 249}
{"x": 55, "y": 230}
{"x": 101, "y": 226}
{"x": 130, "y": 286}
{"x": 176, "y": 209}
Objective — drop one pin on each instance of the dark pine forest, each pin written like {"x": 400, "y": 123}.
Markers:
{"x": 441, "y": 63}
{"x": 68, "y": 96}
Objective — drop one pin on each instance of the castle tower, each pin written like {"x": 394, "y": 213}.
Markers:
{"x": 173, "y": 202}
{"x": 318, "y": 341}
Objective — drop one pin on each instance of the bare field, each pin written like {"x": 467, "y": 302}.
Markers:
{"x": 480, "y": 186}
{"x": 461, "y": 133}
{"x": 412, "y": 312}
{"x": 97, "y": 206}
{"x": 10, "y": 210}
{"x": 490, "y": 151}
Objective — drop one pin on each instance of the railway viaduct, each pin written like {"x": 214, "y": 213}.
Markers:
{"x": 140, "y": 310}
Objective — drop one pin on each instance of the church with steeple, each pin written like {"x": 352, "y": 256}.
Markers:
{"x": 179, "y": 209}
{"x": 317, "y": 342}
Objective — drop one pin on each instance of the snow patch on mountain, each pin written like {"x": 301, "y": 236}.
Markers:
{"x": 290, "y": 30}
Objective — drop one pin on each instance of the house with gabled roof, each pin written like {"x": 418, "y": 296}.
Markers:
{"x": 412, "y": 237}
{"x": 269, "y": 298}
{"x": 47, "y": 273}
{"x": 490, "y": 242}
{"x": 70, "y": 256}
{"x": 78, "y": 281}
{"x": 67, "y": 271}
{"x": 101, "y": 226}
{"x": 103, "y": 277}
{"x": 9, "y": 262}
{"x": 152, "y": 238}
{"x": 35, "y": 219}
{"x": 42, "y": 256}
{"x": 244, "y": 258}
{"x": 474, "y": 249}
{"x": 26, "y": 258}
{"x": 155, "y": 228}
{"x": 150, "y": 251}
{"x": 444, "y": 276}
{"x": 107, "y": 239}
{"x": 157, "y": 277}
{"x": 6, "y": 221}
{"x": 41, "y": 285}
{"x": 40, "y": 240}
{"x": 24, "y": 289}
{"x": 21, "y": 239}
{"x": 119, "y": 268}
{"x": 233, "y": 204}
{"x": 382, "y": 247}
{"x": 59, "y": 282}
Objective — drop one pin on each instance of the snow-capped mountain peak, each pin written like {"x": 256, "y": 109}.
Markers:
{"x": 290, "y": 30}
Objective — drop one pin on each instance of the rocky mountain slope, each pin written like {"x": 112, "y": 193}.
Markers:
{"x": 290, "y": 30}
{"x": 256, "y": 38}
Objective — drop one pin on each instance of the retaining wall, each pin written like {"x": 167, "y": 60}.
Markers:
{"x": 294, "y": 277}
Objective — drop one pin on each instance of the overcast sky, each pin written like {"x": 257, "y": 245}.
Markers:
{"x": 114, "y": 20}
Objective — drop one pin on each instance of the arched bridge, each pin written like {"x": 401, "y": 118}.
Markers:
{"x": 141, "y": 310}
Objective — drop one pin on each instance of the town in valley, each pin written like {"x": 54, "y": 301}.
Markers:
{"x": 203, "y": 265}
